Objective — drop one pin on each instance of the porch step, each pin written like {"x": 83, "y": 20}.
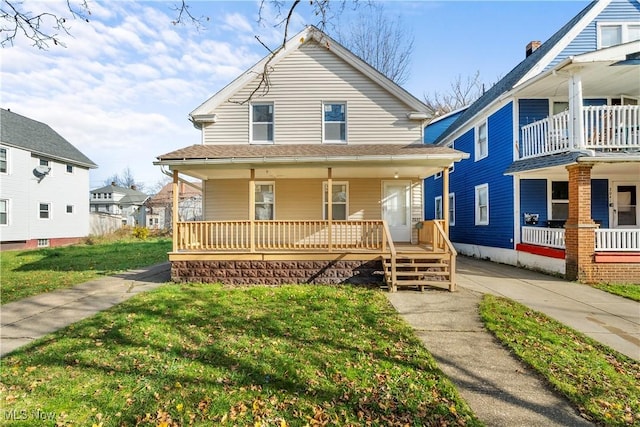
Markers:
{"x": 420, "y": 284}
{"x": 417, "y": 264}
{"x": 419, "y": 269}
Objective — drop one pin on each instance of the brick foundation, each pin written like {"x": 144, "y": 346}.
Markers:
{"x": 33, "y": 243}
{"x": 615, "y": 272}
{"x": 278, "y": 272}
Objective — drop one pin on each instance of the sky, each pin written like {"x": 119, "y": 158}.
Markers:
{"x": 122, "y": 89}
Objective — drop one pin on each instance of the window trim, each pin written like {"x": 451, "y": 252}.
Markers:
{"x": 6, "y": 213}
{"x": 476, "y": 142}
{"x": 477, "y": 189}
{"x": 273, "y": 123}
{"x": 6, "y": 161}
{"x": 325, "y": 202}
{"x": 551, "y": 200}
{"x": 273, "y": 201}
{"x": 346, "y": 125}
{"x": 67, "y": 166}
{"x": 437, "y": 201}
{"x": 67, "y": 209}
{"x": 452, "y": 209}
{"x": 48, "y": 210}
{"x": 624, "y": 33}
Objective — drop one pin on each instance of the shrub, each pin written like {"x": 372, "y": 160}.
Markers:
{"x": 140, "y": 233}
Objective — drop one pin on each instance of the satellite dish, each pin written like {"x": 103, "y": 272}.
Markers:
{"x": 41, "y": 171}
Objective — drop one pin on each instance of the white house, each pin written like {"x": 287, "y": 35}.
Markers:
{"x": 116, "y": 200}
{"x": 44, "y": 182}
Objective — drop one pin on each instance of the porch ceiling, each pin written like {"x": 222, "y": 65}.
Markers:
{"x": 310, "y": 161}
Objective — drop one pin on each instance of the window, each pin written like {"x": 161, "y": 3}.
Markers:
{"x": 264, "y": 200}
{"x": 3, "y": 160}
{"x": 438, "y": 208}
{"x": 339, "y": 196}
{"x": 69, "y": 168}
{"x": 262, "y": 123}
{"x": 452, "y": 209}
{"x": 69, "y": 209}
{"x": 43, "y": 243}
{"x": 451, "y": 169}
{"x": 482, "y": 204}
{"x": 482, "y": 143}
{"x": 559, "y": 200}
{"x": 611, "y": 34}
{"x": 4, "y": 212}
{"x": 334, "y": 119}
{"x": 44, "y": 210}
{"x": 44, "y": 162}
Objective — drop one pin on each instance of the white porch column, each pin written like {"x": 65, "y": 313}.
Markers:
{"x": 330, "y": 206}
{"x": 174, "y": 211}
{"x": 252, "y": 211}
{"x": 576, "y": 116}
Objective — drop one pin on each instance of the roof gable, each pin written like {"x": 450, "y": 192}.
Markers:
{"x": 530, "y": 66}
{"x": 39, "y": 138}
{"x": 308, "y": 35}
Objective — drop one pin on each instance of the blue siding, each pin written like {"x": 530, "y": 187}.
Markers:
{"x": 600, "y": 201}
{"x": 532, "y": 110}
{"x": 616, "y": 11}
{"x": 468, "y": 174}
{"x": 533, "y": 199}
{"x": 594, "y": 102}
{"x": 433, "y": 131}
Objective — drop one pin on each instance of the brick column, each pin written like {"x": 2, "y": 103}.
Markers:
{"x": 579, "y": 228}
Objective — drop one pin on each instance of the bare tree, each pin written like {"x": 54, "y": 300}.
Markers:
{"x": 462, "y": 92}
{"x": 380, "y": 40}
{"x": 125, "y": 179}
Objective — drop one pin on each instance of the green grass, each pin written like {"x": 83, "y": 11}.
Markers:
{"x": 208, "y": 355}
{"x": 27, "y": 273}
{"x": 630, "y": 291}
{"x": 602, "y": 383}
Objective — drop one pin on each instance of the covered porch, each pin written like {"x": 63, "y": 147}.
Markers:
{"x": 346, "y": 214}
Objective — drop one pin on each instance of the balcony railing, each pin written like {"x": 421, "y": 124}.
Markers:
{"x": 280, "y": 235}
{"x": 541, "y": 236}
{"x": 618, "y": 240}
{"x": 605, "y": 128}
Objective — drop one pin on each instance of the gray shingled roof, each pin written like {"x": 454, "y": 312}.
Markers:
{"x": 38, "y": 138}
{"x": 507, "y": 82}
{"x": 544, "y": 162}
{"x": 132, "y": 197}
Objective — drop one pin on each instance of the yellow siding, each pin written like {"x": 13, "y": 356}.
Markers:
{"x": 299, "y": 199}
{"x": 299, "y": 85}
{"x": 364, "y": 199}
{"x": 226, "y": 200}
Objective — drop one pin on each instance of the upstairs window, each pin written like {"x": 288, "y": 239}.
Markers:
{"x": 44, "y": 210}
{"x": 482, "y": 204}
{"x": 265, "y": 197}
{"x": 262, "y": 123}
{"x": 44, "y": 162}
{"x": 3, "y": 160}
{"x": 482, "y": 142}
{"x": 339, "y": 199}
{"x": 612, "y": 34}
{"x": 334, "y": 120}
{"x": 69, "y": 168}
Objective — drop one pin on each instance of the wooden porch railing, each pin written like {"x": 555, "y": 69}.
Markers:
{"x": 605, "y": 127}
{"x": 281, "y": 235}
{"x": 432, "y": 233}
{"x": 617, "y": 240}
{"x": 542, "y": 236}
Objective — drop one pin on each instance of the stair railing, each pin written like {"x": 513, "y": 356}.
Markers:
{"x": 387, "y": 241}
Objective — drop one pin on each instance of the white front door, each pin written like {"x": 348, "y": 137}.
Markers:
{"x": 396, "y": 209}
{"x": 625, "y": 207}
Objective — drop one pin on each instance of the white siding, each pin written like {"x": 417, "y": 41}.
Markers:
{"x": 59, "y": 189}
{"x": 299, "y": 85}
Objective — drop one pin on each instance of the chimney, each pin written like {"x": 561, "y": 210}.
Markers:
{"x": 133, "y": 187}
{"x": 113, "y": 183}
{"x": 532, "y": 46}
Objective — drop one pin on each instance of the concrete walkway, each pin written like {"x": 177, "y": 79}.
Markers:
{"x": 500, "y": 389}
{"x": 30, "y": 318}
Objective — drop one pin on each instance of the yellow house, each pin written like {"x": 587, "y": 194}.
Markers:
{"x": 316, "y": 177}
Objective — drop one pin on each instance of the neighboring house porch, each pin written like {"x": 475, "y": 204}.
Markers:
{"x": 578, "y": 171}
{"x": 271, "y": 218}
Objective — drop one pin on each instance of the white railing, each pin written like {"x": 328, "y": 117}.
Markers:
{"x": 604, "y": 128}
{"x": 617, "y": 240}
{"x": 541, "y": 236}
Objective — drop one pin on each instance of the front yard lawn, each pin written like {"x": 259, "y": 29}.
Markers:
{"x": 602, "y": 383}
{"x": 27, "y": 273}
{"x": 627, "y": 291}
{"x": 209, "y": 355}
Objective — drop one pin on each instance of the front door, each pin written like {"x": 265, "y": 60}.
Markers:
{"x": 396, "y": 209}
{"x": 625, "y": 213}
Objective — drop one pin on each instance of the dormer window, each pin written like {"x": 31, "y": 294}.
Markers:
{"x": 262, "y": 123}
{"x": 334, "y": 122}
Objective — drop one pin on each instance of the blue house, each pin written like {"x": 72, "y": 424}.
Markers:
{"x": 553, "y": 177}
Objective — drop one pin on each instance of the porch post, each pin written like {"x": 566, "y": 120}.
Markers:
{"x": 579, "y": 228}
{"x": 576, "y": 120}
{"x": 174, "y": 211}
{"x": 330, "y": 207}
{"x": 252, "y": 211}
{"x": 445, "y": 200}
